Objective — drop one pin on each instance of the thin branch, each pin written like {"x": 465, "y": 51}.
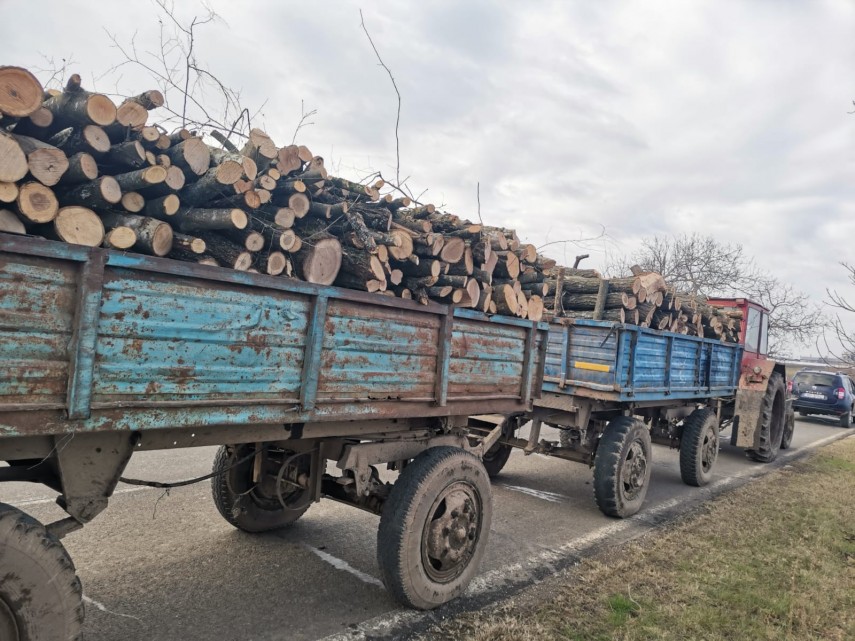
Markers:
{"x": 305, "y": 116}
{"x": 397, "y": 93}
{"x": 478, "y": 196}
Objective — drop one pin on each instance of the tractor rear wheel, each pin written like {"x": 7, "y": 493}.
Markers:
{"x": 773, "y": 411}
{"x": 789, "y": 429}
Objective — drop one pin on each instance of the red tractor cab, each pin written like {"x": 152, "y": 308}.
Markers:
{"x": 754, "y": 333}
{"x": 763, "y": 417}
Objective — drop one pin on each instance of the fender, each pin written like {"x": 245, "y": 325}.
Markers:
{"x": 753, "y": 382}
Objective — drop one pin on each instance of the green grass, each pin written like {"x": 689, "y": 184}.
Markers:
{"x": 774, "y": 560}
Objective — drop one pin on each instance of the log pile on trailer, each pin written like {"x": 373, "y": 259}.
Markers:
{"x": 75, "y": 167}
{"x": 644, "y": 299}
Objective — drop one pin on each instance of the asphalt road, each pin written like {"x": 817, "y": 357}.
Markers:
{"x": 168, "y": 567}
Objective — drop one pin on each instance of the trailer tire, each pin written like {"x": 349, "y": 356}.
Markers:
{"x": 495, "y": 458}
{"x": 434, "y": 527}
{"x": 699, "y": 447}
{"x": 772, "y": 421}
{"x": 41, "y": 598}
{"x": 241, "y": 505}
{"x": 622, "y": 467}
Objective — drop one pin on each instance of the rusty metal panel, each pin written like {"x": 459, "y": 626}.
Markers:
{"x": 372, "y": 352}
{"x": 176, "y": 345}
{"x": 486, "y": 358}
{"x": 173, "y": 339}
{"x": 38, "y": 297}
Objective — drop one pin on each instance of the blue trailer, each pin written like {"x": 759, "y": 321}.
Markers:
{"x": 105, "y": 354}
{"x": 613, "y": 389}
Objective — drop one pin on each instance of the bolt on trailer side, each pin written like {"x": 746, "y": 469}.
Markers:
{"x": 601, "y": 380}
{"x": 107, "y": 354}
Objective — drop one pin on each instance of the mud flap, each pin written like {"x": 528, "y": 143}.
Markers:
{"x": 747, "y": 417}
{"x": 749, "y": 401}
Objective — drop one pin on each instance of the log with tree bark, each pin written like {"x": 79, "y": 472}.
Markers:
{"x": 73, "y": 163}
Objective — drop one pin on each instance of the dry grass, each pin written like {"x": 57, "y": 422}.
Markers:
{"x": 772, "y": 560}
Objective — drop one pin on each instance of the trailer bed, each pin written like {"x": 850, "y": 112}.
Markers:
{"x": 97, "y": 340}
{"x": 626, "y": 363}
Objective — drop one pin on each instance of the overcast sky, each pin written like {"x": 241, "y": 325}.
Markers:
{"x": 722, "y": 117}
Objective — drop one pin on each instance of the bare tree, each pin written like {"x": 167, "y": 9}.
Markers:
{"x": 705, "y": 266}
{"x": 845, "y": 337}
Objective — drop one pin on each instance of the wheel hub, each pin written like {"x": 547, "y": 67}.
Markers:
{"x": 452, "y": 533}
{"x": 634, "y": 469}
{"x": 709, "y": 450}
{"x": 8, "y": 623}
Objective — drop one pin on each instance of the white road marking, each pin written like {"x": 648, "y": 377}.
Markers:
{"x": 103, "y": 608}
{"x": 43, "y": 501}
{"x": 340, "y": 564}
{"x": 552, "y": 497}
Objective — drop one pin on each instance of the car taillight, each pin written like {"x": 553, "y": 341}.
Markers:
{"x": 789, "y": 386}
{"x": 841, "y": 393}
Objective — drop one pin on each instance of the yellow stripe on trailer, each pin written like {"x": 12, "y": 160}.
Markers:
{"x": 594, "y": 367}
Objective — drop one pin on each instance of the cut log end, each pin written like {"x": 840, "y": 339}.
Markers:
{"x": 8, "y": 192}
{"x": 239, "y": 218}
{"x": 100, "y": 110}
{"x": 37, "y": 203}
{"x": 10, "y": 223}
{"x": 323, "y": 262}
{"x": 79, "y": 226}
{"x": 120, "y": 238}
{"x": 13, "y": 160}
{"x": 20, "y": 92}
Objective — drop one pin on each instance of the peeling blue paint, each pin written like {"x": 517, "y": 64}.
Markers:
{"x": 153, "y": 343}
{"x": 637, "y": 364}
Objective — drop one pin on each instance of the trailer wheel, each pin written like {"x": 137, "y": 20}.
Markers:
{"x": 434, "y": 527}
{"x": 789, "y": 429}
{"x": 40, "y": 595}
{"x": 495, "y": 458}
{"x": 699, "y": 447}
{"x": 772, "y": 420}
{"x": 622, "y": 467}
{"x": 258, "y": 507}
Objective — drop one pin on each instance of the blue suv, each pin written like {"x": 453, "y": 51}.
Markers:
{"x": 827, "y": 393}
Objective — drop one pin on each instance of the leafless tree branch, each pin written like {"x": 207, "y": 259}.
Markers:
{"x": 397, "y": 93}
{"x": 304, "y": 116}
{"x": 705, "y": 266}
{"x": 182, "y": 78}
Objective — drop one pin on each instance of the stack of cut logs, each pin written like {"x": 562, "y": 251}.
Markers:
{"x": 643, "y": 299}
{"x": 75, "y": 167}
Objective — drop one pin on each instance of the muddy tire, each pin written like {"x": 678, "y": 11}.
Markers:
{"x": 789, "y": 429}
{"x": 495, "y": 459}
{"x": 699, "y": 447}
{"x": 622, "y": 467}
{"x": 772, "y": 421}
{"x": 40, "y": 595}
{"x": 434, "y": 527}
{"x": 254, "y": 507}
